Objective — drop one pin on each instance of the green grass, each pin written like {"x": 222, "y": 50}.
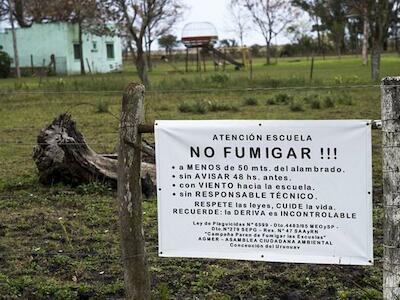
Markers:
{"x": 60, "y": 242}
{"x": 288, "y": 72}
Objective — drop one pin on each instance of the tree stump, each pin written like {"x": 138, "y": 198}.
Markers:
{"x": 62, "y": 155}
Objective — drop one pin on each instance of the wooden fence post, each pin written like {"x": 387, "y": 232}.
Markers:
{"x": 136, "y": 274}
{"x": 390, "y": 111}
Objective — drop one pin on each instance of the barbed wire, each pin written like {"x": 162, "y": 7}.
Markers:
{"x": 197, "y": 90}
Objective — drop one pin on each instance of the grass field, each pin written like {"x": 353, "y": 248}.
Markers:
{"x": 62, "y": 242}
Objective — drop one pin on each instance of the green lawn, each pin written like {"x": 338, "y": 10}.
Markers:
{"x": 62, "y": 242}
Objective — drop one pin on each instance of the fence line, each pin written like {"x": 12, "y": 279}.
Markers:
{"x": 130, "y": 256}
{"x": 199, "y": 90}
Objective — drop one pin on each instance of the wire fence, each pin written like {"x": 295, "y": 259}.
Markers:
{"x": 199, "y": 90}
{"x": 74, "y": 105}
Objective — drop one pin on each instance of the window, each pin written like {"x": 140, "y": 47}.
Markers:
{"x": 94, "y": 47}
{"x": 110, "y": 50}
{"x": 77, "y": 51}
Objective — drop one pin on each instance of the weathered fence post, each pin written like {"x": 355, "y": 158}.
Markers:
{"x": 136, "y": 275}
{"x": 391, "y": 186}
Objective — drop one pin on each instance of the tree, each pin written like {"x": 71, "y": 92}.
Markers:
{"x": 313, "y": 8}
{"x": 395, "y": 25}
{"x": 135, "y": 17}
{"x": 360, "y": 9}
{"x": 302, "y": 41}
{"x": 168, "y": 42}
{"x": 334, "y": 16}
{"x": 228, "y": 43}
{"x": 240, "y": 20}
{"x": 7, "y": 12}
{"x": 380, "y": 13}
{"x": 162, "y": 19}
{"x": 271, "y": 17}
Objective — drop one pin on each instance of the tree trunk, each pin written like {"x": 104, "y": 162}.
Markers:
{"x": 141, "y": 64}
{"x": 149, "y": 63}
{"x": 375, "y": 61}
{"x": 268, "y": 52}
{"x": 62, "y": 155}
{"x": 82, "y": 60}
{"x": 337, "y": 46}
{"x": 365, "y": 39}
{"x": 318, "y": 38}
{"x": 14, "y": 37}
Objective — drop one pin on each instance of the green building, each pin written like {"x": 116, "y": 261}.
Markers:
{"x": 38, "y": 43}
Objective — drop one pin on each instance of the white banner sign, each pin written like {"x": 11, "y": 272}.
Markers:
{"x": 282, "y": 191}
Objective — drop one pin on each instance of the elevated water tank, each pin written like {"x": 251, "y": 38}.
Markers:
{"x": 199, "y": 34}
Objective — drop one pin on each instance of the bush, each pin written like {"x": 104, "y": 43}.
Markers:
{"x": 345, "y": 99}
{"x": 296, "y": 106}
{"x": 102, "y": 107}
{"x": 270, "y": 101}
{"x": 219, "y": 78}
{"x": 250, "y": 101}
{"x": 185, "y": 107}
{"x": 198, "y": 107}
{"x": 328, "y": 102}
{"x": 313, "y": 101}
{"x": 5, "y": 64}
{"x": 283, "y": 98}
{"x": 310, "y": 98}
{"x": 315, "y": 104}
{"x": 216, "y": 106}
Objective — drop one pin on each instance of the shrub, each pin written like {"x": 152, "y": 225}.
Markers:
{"x": 283, "y": 98}
{"x": 250, "y": 101}
{"x": 296, "y": 106}
{"x": 198, "y": 107}
{"x": 345, "y": 99}
{"x": 328, "y": 102}
{"x": 310, "y": 98}
{"x": 102, "y": 107}
{"x": 313, "y": 101}
{"x": 184, "y": 107}
{"x": 216, "y": 106}
{"x": 219, "y": 78}
{"x": 270, "y": 101}
{"x": 315, "y": 104}
{"x": 5, "y": 64}
{"x": 234, "y": 108}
